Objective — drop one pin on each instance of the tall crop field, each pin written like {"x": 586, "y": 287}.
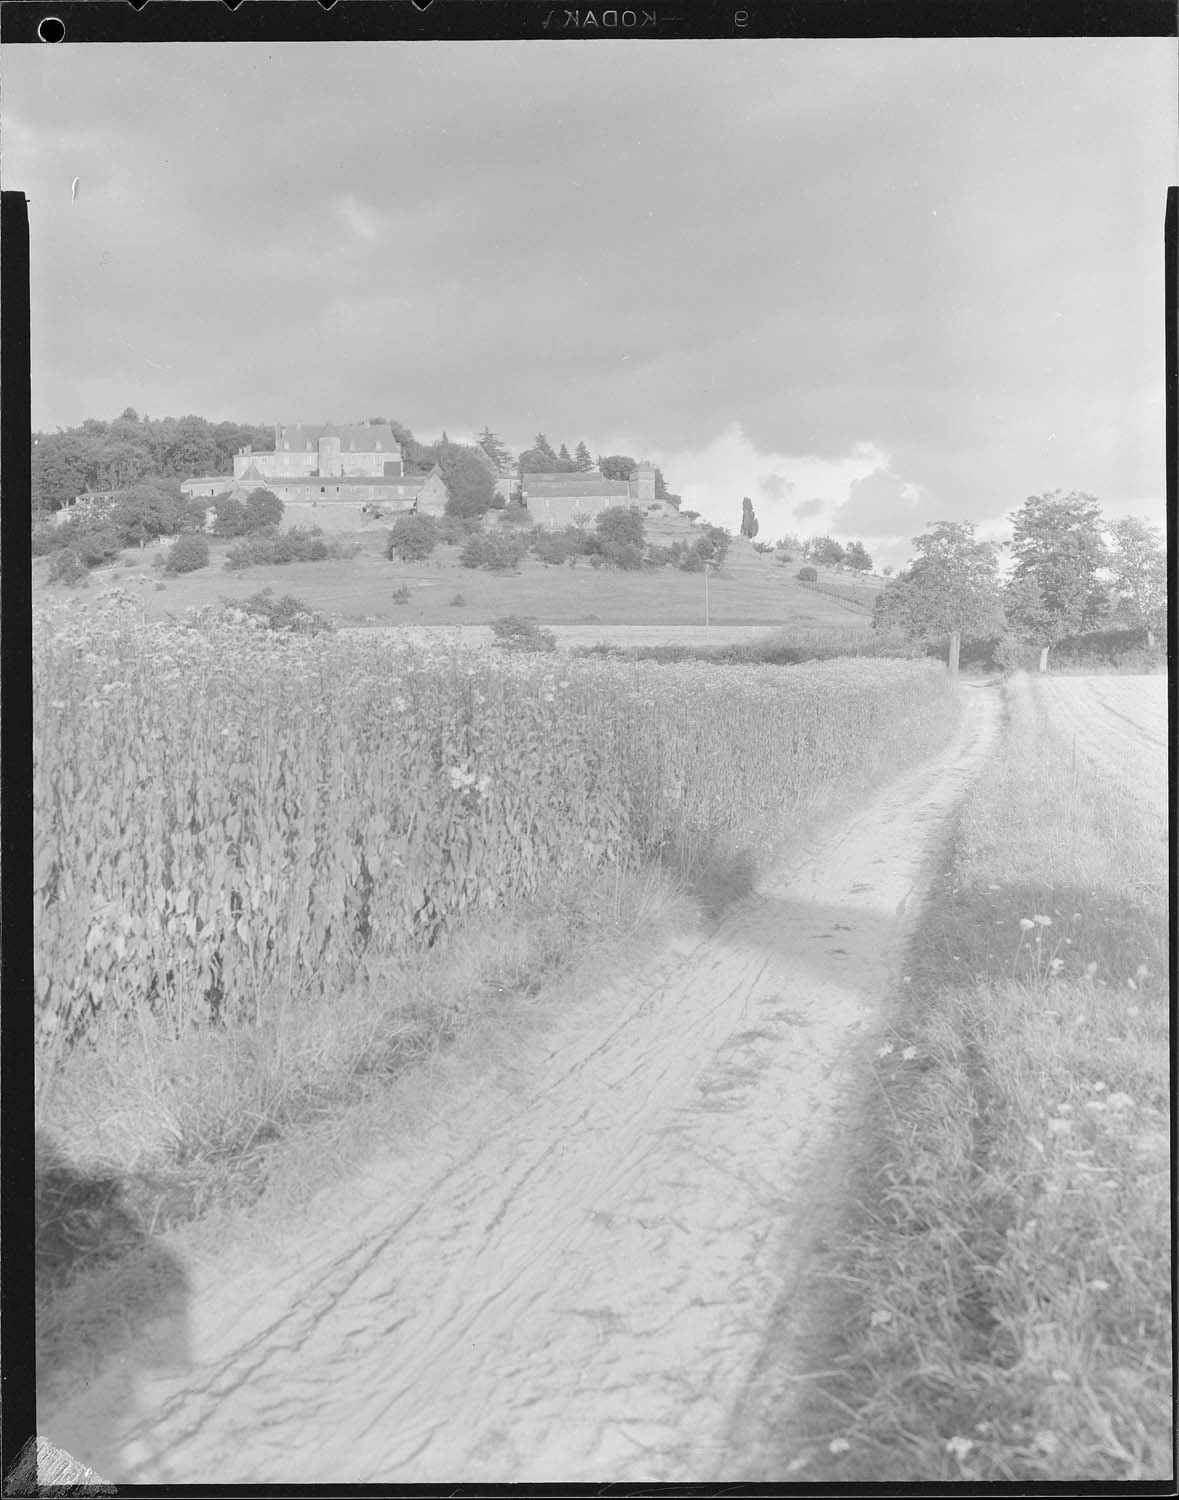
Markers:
{"x": 224, "y": 815}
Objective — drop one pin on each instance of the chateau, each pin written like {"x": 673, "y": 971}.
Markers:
{"x": 344, "y": 476}
{"x": 331, "y": 475}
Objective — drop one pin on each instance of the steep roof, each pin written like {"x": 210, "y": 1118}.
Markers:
{"x": 354, "y": 436}
{"x": 369, "y": 481}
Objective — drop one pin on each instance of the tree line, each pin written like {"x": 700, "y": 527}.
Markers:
{"x": 1072, "y": 573}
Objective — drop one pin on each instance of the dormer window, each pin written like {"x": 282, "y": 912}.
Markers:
{"x": 380, "y": 445}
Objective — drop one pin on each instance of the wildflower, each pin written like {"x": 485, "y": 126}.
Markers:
{"x": 880, "y": 1317}
{"x": 1097, "y": 1285}
{"x": 1026, "y": 923}
{"x": 959, "y": 1447}
{"x": 1090, "y": 970}
{"x": 1099, "y": 1086}
{"x": 1133, "y": 1010}
{"x": 1056, "y": 964}
{"x": 1047, "y": 1442}
{"x": 1142, "y": 972}
{"x": 1042, "y": 921}
{"x": 909, "y": 1054}
{"x": 885, "y": 1050}
{"x": 1120, "y": 1101}
{"x": 838, "y": 1445}
{"x": 1059, "y": 1127}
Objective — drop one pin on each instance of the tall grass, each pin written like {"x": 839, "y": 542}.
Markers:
{"x": 271, "y": 871}
{"x": 1005, "y": 1305}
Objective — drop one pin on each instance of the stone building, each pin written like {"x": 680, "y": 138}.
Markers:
{"x": 337, "y": 477}
{"x": 557, "y": 500}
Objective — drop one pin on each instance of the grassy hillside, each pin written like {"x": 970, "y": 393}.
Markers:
{"x": 751, "y": 589}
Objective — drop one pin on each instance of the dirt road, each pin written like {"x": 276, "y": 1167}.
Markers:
{"x": 571, "y": 1277}
{"x": 1119, "y": 724}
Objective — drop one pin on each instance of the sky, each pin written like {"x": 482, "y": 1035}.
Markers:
{"x": 871, "y": 284}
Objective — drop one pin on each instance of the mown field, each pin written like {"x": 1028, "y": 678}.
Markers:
{"x": 255, "y": 855}
{"x": 751, "y": 589}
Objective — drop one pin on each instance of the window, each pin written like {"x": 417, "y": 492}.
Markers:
{"x": 323, "y": 489}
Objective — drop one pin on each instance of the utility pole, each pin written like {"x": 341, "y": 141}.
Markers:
{"x": 707, "y": 570}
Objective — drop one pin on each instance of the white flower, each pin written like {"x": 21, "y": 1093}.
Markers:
{"x": 909, "y": 1054}
{"x": 1120, "y": 1101}
{"x": 885, "y": 1050}
{"x": 959, "y": 1447}
{"x": 1041, "y": 920}
{"x": 1026, "y": 923}
{"x": 838, "y": 1445}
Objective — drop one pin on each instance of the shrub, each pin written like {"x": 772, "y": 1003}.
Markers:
{"x": 187, "y": 553}
{"x": 692, "y": 562}
{"x": 625, "y": 555}
{"x": 456, "y": 529}
{"x": 65, "y": 566}
{"x": 515, "y": 515}
{"x": 284, "y": 615}
{"x": 96, "y": 544}
{"x": 518, "y": 633}
{"x": 296, "y": 545}
{"x": 551, "y": 547}
{"x": 401, "y": 595}
{"x": 413, "y": 538}
{"x": 495, "y": 552}
{"x": 807, "y": 575}
{"x": 45, "y": 539}
{"x": 458, "y": 602}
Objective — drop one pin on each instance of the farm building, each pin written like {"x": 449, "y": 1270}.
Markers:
{"x": 557, "y": 500}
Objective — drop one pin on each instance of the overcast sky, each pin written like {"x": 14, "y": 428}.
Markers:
{"x": 870, "y": 284}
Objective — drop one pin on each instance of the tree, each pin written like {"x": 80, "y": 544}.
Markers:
{"x": 229, "y": 517}
{"x": 949, "y": 590}
{"x": 825, "y": 551}
{"x": 65, "y": 465}
{"x": 495, "y": 450}
{"x": 1138, "y": 562}
{"x": 856, "y": 557}
{"x": 412, "y": 538}
{"x": 541, "y": 445}
{"x": 713, "y": 546}
{"x": 469, "y": 483}
{"x": 1054, "y": 591}
{"x": 749, "y": 526}
{"x": 617, "y": 466}
{"x": 618, "y": 528}
{"x": 565, "y": 458}
{"x": 263, "y": 509}
{"x": 582, "y": 460}
{"x": 150, "y": 509}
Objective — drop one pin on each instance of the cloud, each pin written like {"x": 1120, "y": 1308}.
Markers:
{"x": 879, "y": 505}
{"x": 807, "y": 508}
{"x": 775, "y": 486}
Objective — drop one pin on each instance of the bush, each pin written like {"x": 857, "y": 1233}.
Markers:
{"x": 413, "y": 538}
{"x": 187, "y": 553}
{"x": 286, "y": 615}
{"x": 401, "y": 595}
{"x": 518, "y": 633}
{"x": 551, "y": 547}
{"x": 515, "y": 515}
{"x": 46, "y": 539}
{"x": 625, "y": 555}
{"x": 458, "y": 602}
{"x": 496, "y": 553}
{"x": 65, "y": 566}
{"x": 296, "y": 545}
{"x": 807, "y": 575}
{"x": 456, "y": 529}
{"x": 96, "y": 544}
{"x": 692, "y": 562}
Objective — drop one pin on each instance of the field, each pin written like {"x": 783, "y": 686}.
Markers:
{"x": 233, "y": 829}
{"x": 750, "y": 590}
